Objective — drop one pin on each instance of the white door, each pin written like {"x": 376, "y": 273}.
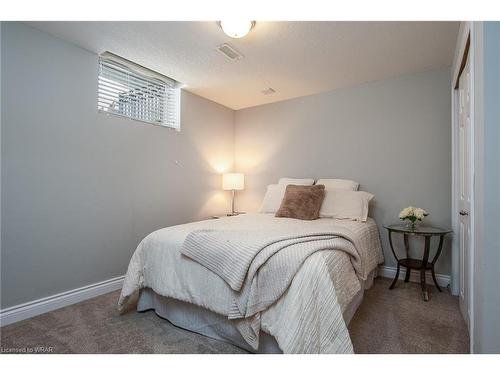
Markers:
{"x": 465, "y": 189}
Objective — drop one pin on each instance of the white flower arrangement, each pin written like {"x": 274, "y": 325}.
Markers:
{"x": 412, "y": 214}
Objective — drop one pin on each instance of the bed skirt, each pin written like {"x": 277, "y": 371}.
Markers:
{"x": 205, "y": 322}
{"x": 208, "y": 323}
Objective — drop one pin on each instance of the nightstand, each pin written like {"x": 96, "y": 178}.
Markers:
{"x": 227, "y": 215}
{"x": 417, "y": 264}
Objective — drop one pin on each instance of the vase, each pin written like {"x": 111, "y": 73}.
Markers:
{"x": 411, "y": 225}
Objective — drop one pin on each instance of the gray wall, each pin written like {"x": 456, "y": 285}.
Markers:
{"x": 487, "y": 256}
{"x": 80, "y": 189}
{"x": 392, "y": 136}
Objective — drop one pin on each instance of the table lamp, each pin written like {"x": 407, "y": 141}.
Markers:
{"x": 233, "y": 182}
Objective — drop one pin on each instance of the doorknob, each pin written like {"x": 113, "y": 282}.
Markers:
{"x": 464, "y": 213}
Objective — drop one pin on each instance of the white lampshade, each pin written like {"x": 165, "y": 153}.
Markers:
{"x": 233, "y": 181}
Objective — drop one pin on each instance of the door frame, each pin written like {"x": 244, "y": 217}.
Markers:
{"x": 470, "y": 40}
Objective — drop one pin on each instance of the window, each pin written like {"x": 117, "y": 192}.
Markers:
{"x": 130, "y": 90}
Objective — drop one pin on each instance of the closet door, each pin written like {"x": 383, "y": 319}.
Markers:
{"x": 464, "y": 189}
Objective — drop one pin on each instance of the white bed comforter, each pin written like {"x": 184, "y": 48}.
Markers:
{"x": 306, "y": 319}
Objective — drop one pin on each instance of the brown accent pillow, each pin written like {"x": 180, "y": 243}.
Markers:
{"x": 302, "y": 202}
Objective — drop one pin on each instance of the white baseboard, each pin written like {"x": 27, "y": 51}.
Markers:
{"x": 30, "y": 309}
{"x": 390, "y": 272}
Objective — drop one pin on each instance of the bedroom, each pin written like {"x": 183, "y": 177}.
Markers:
{"x": 168, "y": 187}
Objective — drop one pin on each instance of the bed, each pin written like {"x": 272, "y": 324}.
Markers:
{"x": 308, "y": 314}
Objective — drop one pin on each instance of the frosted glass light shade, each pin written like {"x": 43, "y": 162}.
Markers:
{"x": 233, "y": 181}
{"x": 236, "y": 28}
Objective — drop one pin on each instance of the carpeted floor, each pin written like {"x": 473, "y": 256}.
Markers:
{"x": 399, "y": 321}
{"x": 395, "y": 321}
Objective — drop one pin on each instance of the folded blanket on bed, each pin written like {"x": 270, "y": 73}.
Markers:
{"x": 259, "y": 267}
{"x": 229, "y": 253}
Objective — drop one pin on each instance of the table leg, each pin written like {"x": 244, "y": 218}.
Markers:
{"x": 434, "y": 278}
{"x": 395, "y": 278}
{"x": 397, "y": 261}
{"x": 407, "y": 275}
{"x": 407, "y": 248}
{"x": 425, "y": 293}
{"x": 440, "y": 247}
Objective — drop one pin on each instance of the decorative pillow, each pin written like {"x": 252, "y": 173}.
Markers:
{"x": 337, "y": 183}
{"x": 345, "y": 204}
{"x": 296, "y": 181}
{"x": 272, "y": 199}
{"x": 302, "y": 202}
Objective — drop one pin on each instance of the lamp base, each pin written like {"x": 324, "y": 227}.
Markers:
{"x": 234, "y": 213}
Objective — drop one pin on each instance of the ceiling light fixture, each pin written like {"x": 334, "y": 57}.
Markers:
{"x": 236, "y": 29}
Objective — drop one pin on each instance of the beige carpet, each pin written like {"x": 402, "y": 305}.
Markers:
{"x": 388, "y": 321}
{"x": 399, "y": 321}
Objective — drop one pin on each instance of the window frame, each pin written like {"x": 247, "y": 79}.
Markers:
{"x": 146, "y": 74}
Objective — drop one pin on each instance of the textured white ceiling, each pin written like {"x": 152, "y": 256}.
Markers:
{"x": 294, "y": 58}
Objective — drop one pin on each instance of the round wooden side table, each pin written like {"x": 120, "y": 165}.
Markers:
{"x": 418, "y": 264}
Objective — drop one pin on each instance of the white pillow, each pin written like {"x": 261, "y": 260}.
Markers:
{"x": 337, "y": 183}
{"x": 346, "y": 204}
{"x": 272, "y": 199}
{"x": 296, "y": 181}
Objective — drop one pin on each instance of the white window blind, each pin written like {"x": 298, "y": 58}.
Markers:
{"x": 130, "y": 90}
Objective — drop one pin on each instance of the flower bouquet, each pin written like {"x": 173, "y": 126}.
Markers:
{"x": 411, "y": 214}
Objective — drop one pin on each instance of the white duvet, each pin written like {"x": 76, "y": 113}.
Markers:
{"x": 306, "y": 319}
